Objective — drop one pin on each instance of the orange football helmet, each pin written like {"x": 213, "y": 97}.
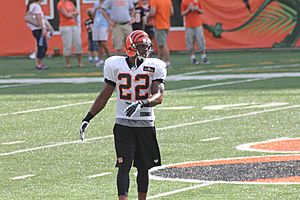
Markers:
{"x": 138, "y": 43}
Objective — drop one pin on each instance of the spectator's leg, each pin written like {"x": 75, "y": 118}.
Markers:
{"x": 117, "y": 38}
{"x": 41, "y": 48}
{"x": 163, "y": 49}
{"x": 66, "y": 34}
{"x": 100, "y": 50}
{"x": 105, "y": 47}
{"x": 76, "y": 40}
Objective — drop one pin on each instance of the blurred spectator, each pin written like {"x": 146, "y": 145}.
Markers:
{"x": 121, "y": 17}
{"x": 148, "y": 26}
{"x": 92, "y": 45}
{"x": 191, "y": 11}
{"x": 139, "y": 17}
{"x": 101, "y": 31}
{"x": 39, "y": 32}
{"x": 69, "y": 30}
{"x": 161, "y": 12}
{"x": 32, "y": 55}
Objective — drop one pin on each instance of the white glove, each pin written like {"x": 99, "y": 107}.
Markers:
{"x": 84, "y": 125}
{"x": 133, "y": 108}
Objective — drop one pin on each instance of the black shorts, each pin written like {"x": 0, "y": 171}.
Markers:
{"x": 138, "y": 144}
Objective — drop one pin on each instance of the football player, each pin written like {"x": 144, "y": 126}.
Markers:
{"x": 139, "y": 82}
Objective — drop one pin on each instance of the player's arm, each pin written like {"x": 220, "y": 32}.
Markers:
{"x": 185, "y": 9}
{"x": 102, "y": 99}
{"x": 172, "y": 10}
{"x": 198, "y": 8}
{"x": 97, "y": 106}
{"x": 152, "y": 11}
{"x": 106, "y": 16}
{"x": 132, "y": 15}
{"x": 67, "y": 14}
{"x": 157, "y": 91}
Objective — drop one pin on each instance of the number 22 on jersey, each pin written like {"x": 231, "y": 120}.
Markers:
{"x": 133, "y": 87}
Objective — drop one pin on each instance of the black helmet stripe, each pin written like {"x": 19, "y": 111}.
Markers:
{"x": 137, "y": 36}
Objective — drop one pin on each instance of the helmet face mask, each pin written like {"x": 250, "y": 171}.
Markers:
{"x": 144, "y": 50}
{"x": 138, "y": 44}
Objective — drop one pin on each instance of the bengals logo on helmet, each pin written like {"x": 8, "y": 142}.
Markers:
{"x": 138, "y": 43}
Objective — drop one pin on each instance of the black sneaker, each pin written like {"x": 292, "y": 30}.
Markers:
{"x": 204, "y": 60}
{"x": 195, "y": 61}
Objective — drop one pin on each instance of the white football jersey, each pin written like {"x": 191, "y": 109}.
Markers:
{"x": 133, "y": 84}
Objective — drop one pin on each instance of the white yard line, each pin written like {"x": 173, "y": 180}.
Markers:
{"x": 210, "y": 139}
{"x": 227, "y": 117}
{"x": 47, "y": 108}
{"x": 159, "y": 129}
{"x": 88, "y": 102}
{"x": 175, "y": 108}
{"x": 239, "y": 69}
{"x": 179, "y": 190}
{"x": 17, "y": 85}
{"x": 55, "y": 80}
{"x": 14, "y": 142}
{"x": 216, "y": 84}
{"x": 99, "y": 175}
{"x": 22, "y": 177}
{"x": 54, "y": 145}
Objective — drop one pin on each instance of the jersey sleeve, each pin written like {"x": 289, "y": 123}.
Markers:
{"x": 160, "y": 72}
{"x": 110, "y": 72}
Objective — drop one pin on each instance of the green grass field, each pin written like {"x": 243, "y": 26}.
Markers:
{"x": 41, "y": 156}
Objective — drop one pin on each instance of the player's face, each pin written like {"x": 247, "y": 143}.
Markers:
{"x": 145, "y": 50}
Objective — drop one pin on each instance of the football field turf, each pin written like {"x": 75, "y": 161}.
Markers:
{"x": 209, "y": 116}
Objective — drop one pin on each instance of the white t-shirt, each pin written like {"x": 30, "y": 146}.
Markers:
{"x": 35, "y": 9}
{"x": 134, "y": 84}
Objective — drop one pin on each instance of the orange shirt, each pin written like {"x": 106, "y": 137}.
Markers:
{"x": 63, "y": 20}
{"x": 192, "y": 19}
{"x": 163, "y": 13}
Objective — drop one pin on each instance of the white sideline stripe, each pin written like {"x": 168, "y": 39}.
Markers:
{"x": 177, "y": 77}
{"x": 227, "y": 117}
{"x": 232, "y": 76}
{"x": 178, "y": 191}
{"x": 14, "y": 142}
{"x": 55, "y": 80}
{"x": 18, "y": 85}
{"x": 47, "y": 108}
{"x": 162, "y": 128}
{"x": 99, "y": 175}
{"x": 22, "y": 177}
{"x": 217, "y": 84}
{"x": 239, "y": 69}
{"x": 54, "y": 145}
{"x": 210, "y": 139}
{"x": 81, "y": 103}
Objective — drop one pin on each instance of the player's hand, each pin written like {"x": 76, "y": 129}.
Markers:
{"x": 84, "y": 125}
{"x": 133, "y": 108}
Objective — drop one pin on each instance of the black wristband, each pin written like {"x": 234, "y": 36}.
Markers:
{"x": 144, "y": 103}
{"x": 88, "y": 117}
